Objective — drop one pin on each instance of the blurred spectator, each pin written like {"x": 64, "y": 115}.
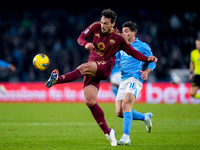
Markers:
{"x": 54, "y": 32}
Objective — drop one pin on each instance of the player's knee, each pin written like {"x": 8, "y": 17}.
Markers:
{"x": 192, "y": 94}
{"x": 86, "y": 69}
{"x": 89, "y": 102}
{"x": 126, "y": 106}
{"x": 82, "y": 68}
{"x": 119, "y": 114}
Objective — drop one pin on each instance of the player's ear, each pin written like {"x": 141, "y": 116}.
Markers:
{"x": 113, "y": 24}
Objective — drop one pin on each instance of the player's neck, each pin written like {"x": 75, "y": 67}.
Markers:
{"x": 111, "y": 31}
{"x": 132, "y": 40}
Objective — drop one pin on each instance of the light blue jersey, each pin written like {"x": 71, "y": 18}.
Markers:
{"x": 117, "y": 66}
{"x": 4, "y": 64}
{"x": 130, "y": 66}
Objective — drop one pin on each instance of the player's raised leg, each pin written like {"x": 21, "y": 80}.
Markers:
{"x": 143, "y": 117}
{"x": 88, "y": 69}
{"x": 97, "y": 112}
{"x": 52, "y": 79}
{"x": 148, "y": 122}
{"x": 146, "y": 117}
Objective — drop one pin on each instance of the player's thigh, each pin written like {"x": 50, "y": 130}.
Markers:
{"x": 90, "y": 93}
{"x": 88, "y": 69}
{"x": 129, "y": 98}
{"x": 121, "y": 91}
{"x": 128, "y": 101}
{"x": 134, "y": 87}
{"x": 193, "y": 90}
{"x": 118, "y": 108}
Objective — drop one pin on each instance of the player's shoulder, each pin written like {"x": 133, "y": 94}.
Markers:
{"x": 121, "y": 37}
{"x": 95, "y": 24}
{"x": 194, "y": 51}
{"x": 143, "y": 45}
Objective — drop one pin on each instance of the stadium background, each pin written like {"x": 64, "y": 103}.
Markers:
{"x": 52, "y": 27}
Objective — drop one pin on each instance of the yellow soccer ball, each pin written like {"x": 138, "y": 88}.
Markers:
{"x": 41, "y": 62}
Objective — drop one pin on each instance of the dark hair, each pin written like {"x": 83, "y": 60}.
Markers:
{"x": 198, "y": 39}
{"x": 108, "y": 13}
{"x": 131, "y": 25}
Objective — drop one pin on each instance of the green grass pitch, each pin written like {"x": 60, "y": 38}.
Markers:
{"x": 61, "y": 126}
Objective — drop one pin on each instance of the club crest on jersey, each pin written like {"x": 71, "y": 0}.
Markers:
{"x": 86, "y": 31}
{"x": 112, "y": 42}
{"x": 101, "y": 46}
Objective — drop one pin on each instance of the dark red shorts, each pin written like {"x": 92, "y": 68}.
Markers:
{"x": 103, "y": 72}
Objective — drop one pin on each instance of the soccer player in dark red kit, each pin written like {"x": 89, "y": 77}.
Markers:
{"x": 106, "y": 41}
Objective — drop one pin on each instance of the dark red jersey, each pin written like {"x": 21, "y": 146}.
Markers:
{"x": 106, "y": 45}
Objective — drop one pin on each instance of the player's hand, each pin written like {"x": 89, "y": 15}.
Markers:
{"x": 89, "y": 46}
{"x": 144, "y": 75}
{"x": 152, "y": 59}
{"x": 191, "y": 76}
{"x": 12, "y": 68}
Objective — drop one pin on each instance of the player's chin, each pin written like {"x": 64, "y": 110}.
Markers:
{"x": 104, "y": 31}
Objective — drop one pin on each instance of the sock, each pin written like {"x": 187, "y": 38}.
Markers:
{"x": 114, "y": 89}
{"x": 127, "y": 122}
{"x": 137, "y": 115}
{"x": 69, "y": 77}
{"x": 98, "y": 115}
{"x": 197, "y": 96}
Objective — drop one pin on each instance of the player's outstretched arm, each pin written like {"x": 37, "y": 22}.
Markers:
{"x": 126, "y": 46}
{"x": 152, "y": 59}
{"x": 138, "y": 55}
{"x": 133, "y": 52}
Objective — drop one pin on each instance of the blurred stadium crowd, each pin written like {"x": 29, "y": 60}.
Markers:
{"x": 54, "y": 32}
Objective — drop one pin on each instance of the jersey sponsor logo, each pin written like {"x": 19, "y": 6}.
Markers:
{"x": 101, "y": 46}
{"x": 86, "y": 31}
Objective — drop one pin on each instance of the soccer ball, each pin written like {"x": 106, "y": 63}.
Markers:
{"x": 41, "y": 62}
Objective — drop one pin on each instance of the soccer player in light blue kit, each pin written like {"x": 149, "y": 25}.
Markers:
{"x": 115, "y": 76}
{"x": 6, "y": 65}
{"x": 132, "y": 78}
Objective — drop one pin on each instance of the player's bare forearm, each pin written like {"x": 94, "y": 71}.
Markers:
{"x": 191, "y": 67}
{"x": 191, "y": 71}
{"x": 148, "y": 70}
